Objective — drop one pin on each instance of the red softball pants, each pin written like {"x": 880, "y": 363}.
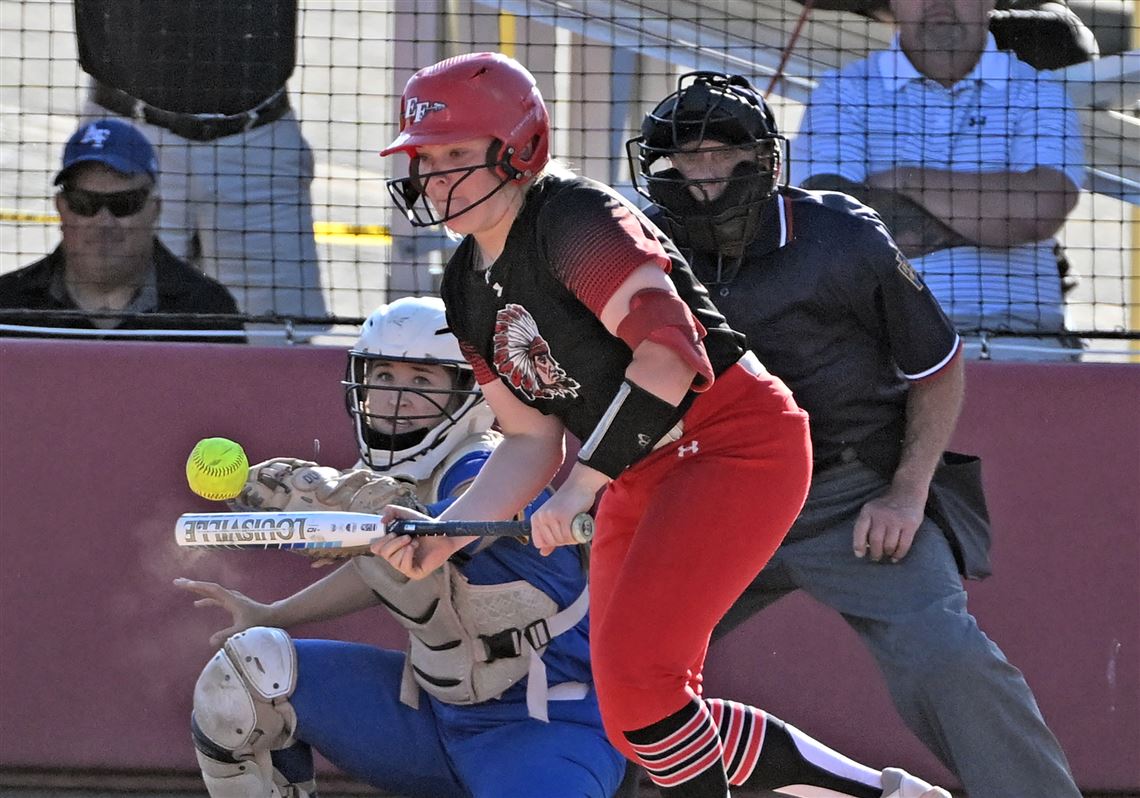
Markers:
{"x": 679, "y": 537}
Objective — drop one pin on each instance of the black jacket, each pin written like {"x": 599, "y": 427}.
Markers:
{"x": 26, "y": 298}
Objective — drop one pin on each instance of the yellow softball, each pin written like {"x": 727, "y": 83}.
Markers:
{"x": 217, "y": 469}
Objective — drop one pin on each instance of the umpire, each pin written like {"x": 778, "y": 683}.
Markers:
{"x": 833, "y": 308}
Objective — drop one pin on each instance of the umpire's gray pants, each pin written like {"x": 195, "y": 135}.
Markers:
{"x": 950, "y": 683}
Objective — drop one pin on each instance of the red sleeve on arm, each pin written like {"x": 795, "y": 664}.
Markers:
{"x": 595, "y": 249}
{"x": 483, "y": 371}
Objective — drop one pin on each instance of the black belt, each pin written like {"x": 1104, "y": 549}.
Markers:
{"x": 196, "y": 127}
{"x": 844, "y": 456}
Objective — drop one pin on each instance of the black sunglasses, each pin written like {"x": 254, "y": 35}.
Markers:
{"x": 119, "y": 203}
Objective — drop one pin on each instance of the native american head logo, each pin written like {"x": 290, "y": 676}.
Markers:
{"x": 523, "y": 357}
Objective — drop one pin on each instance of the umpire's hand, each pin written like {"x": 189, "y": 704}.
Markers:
{"x": 886, "y": 525}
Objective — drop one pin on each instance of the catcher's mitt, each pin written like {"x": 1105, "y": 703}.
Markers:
{"x": 285, "y": 483}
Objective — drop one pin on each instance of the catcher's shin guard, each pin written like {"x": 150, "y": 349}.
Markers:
{"x": 242, "y": 712}
{"x": 248, "y": 778}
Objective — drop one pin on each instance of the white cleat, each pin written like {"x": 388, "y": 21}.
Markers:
{"x": 897, "y": 783}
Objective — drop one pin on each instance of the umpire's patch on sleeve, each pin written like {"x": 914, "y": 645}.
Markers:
{"x": 907, "y": 271}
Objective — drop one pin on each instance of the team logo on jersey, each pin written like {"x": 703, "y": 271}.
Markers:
{"x": 908, "y": 272}
{"x": 522, "y": 356}
{"x": 415, "y": 109}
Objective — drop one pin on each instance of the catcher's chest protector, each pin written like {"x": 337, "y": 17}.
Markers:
{"x": 470, "y": 643}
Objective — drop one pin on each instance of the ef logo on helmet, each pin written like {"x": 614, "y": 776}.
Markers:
{"x": 416, "y": 110}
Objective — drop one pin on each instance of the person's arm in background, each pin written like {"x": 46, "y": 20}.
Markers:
{"x": 1025, "y": 202}
{"x": 990, "y": 209}
{"x": 916, "y": 231}
{"x": 830, "y": 154}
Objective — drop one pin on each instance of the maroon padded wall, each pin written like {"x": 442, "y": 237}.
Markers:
{"x": 99, "y": 653}
{"x": 1060, "y": 446}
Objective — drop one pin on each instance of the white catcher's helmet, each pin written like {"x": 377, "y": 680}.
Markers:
{"x": 413, "y": 329}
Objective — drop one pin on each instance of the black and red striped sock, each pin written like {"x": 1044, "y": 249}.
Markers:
{"x": 763, "y": 752}
{"x": 683, "y": 754}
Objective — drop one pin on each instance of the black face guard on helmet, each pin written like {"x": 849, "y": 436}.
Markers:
{"x": 409, "y": 195}
{"x": 723, "y": 108}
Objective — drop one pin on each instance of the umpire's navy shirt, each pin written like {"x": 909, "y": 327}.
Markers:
{"x": 832, "y": 307}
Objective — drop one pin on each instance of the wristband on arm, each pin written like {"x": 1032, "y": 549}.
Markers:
{"x": 629, "y": 429}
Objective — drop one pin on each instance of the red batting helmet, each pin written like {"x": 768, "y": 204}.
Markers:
{"x": 474, "y": 95}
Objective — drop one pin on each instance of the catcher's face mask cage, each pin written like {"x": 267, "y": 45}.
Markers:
{"x": 712, "y": 214}
{"x": 375, "y": 406}
{"x": 411, "y": 330}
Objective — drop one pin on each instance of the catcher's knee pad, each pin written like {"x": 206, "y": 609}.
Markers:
{"x": 241, "y": 700}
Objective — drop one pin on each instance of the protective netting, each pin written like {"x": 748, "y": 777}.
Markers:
{"x": 239, "y": 205}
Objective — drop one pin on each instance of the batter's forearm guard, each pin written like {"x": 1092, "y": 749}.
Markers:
{"x": 631, "y": 426}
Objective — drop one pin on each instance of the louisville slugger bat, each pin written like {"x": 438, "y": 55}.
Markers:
{"x": 334, "y": 530}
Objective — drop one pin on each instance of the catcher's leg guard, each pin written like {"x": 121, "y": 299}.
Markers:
{"x": 242, "y": 712}
{"x": 239, "y": 779}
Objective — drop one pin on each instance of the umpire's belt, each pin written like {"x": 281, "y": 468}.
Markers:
{"x": 196, "y": 127}
{"x": 847, "y": 454}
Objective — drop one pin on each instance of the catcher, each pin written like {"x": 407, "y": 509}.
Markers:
{"x": 494, "y": 696}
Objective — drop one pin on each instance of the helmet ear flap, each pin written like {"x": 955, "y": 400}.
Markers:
{"x": 500, "y": 156}
{"x": 413, "y": 188}
{"x": 504, "y": 157}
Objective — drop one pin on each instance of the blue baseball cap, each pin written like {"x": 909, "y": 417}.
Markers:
{"x": 118, "y": 144}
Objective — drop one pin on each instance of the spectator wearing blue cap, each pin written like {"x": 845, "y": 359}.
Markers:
{"x": 110, "y": 271}
{"x": 206, "y": 81}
